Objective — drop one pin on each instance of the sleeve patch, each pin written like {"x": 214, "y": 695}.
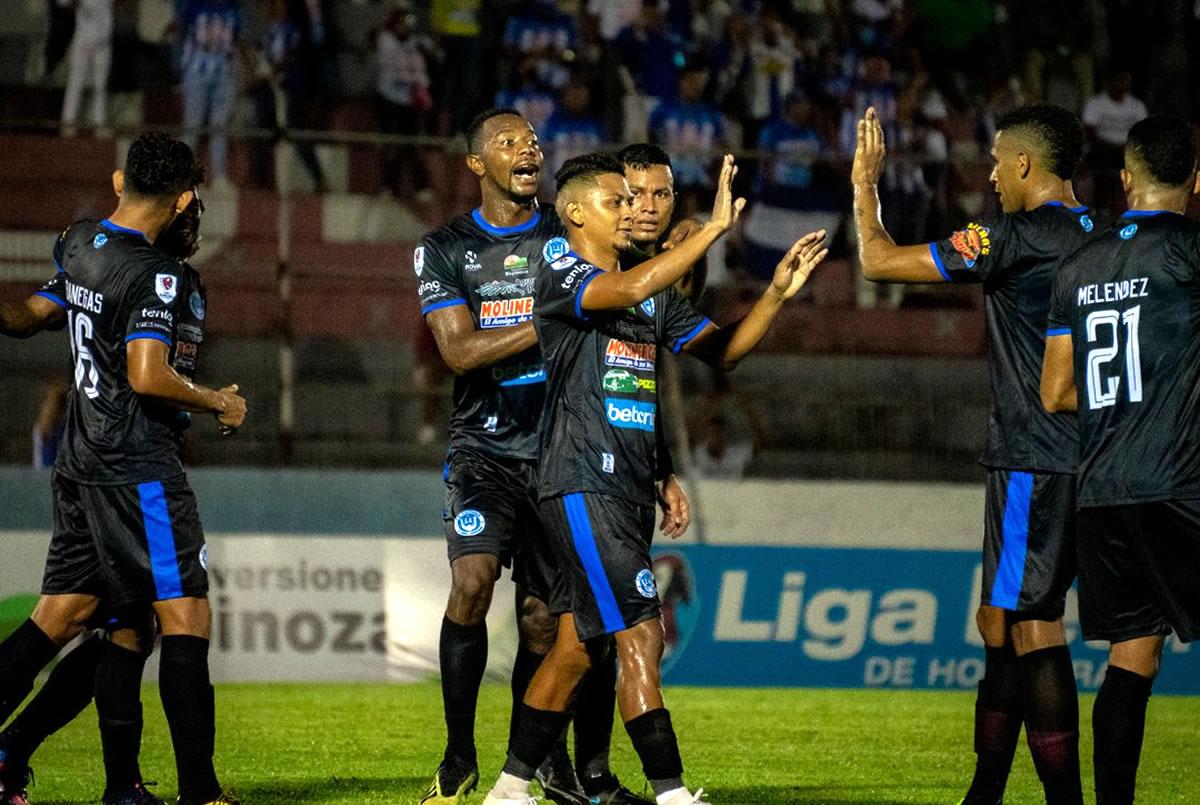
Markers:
{"x": 972, "y": 243}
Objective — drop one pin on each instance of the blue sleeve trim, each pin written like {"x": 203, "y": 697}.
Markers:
{"x": 579, "y": 314}
{"x": 156, "y": 336}
{"x": 695, "y": 331}
{"x": 937, "y": 261}
{"x": 53, "y": 298}
{"x": 1058, "y": 331}
{"x": 425, "y": 311}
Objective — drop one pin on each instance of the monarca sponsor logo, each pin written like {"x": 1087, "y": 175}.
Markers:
{"x": 505, "y": 312}
{"x": 630, "y": 356}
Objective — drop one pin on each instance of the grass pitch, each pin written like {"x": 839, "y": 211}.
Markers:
{"x": 381, "y": 743}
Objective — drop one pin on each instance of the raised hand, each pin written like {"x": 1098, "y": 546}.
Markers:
{"x": 870, "y": 152}
{"x": 793, "y": 270}
{"x": 725, "y": 208}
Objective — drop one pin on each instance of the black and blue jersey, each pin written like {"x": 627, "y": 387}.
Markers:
{"x": 1016, "y": 257}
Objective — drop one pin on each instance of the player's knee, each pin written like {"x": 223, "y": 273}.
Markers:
{"x": 63, "y": 617}
{"x": 538, "y": 628}
{"x": 993, "y": 626}
{"x": 184, "y": 616}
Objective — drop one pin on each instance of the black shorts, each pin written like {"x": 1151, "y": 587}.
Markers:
{"x": 1138, "y": 566}
{"x": 128, "y": 544}
{"x": 1029, "y": 542}
{"x": 603, "y": 546}
{"x": 491, "y": 508}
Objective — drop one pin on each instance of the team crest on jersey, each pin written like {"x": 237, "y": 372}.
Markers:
{"x": 1128, "y": 232}
{"x": 204, "y": 556}
{"x": 471, "y": 262}
{"x": 99, "y": 240}
{"x": 640, "y": 357}
{"x": 972, "y": 243}
{"x": 166, "y": 286}
{"x": 469, "y": 523}
{"x": 555, "y": 248}
{"x": 1087, "y": 223}
{"x": 419, "y": 260}
{"x": 648, "y": 307}
{"x": 645, "y": 584}
{"x": 196, "y": 303}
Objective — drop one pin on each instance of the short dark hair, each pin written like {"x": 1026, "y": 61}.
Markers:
{"x": 1057, "y": 134}
{"x": 587, "y": 166}
{"x": 1166, "y": 145}
{"x": 160, "y": 166}
{"x": 476, "y": 124}
{"x": 643, "y": 155}
{"x": 181, "y": 239}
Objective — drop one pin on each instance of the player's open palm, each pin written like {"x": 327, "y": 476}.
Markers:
{"x": 870, "y": 152}
{"x": 233, "y": 407}
{"x": 793, "y": 270}
{"x": 726, "y": 208}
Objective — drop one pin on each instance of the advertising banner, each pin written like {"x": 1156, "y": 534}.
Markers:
{"x": 845, "y": 617}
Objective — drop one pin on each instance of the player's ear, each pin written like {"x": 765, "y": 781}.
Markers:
{"x": 1126, "y": 181}
{"x": 1024, "y": 164}
{"x": 575, "y": 213}
{"x": 185, "y": 198}
{"x": 118, "y": 180}
{"x": 1195, "y": 183}
{"x": 475, "y": 165}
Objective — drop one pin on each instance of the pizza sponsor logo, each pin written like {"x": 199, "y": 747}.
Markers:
{"x": 641, "y": 357}
{"x": 505, "y": 312}
{"x": 972, "y": 243}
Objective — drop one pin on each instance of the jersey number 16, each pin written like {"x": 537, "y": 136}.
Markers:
{"x": 87, "y": 379}
{"x": 1105, "y": 326}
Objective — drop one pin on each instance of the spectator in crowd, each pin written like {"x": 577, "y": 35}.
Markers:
{"x": 608, "y": 18}
{"x": 535, "y": 103}
{"x": 403, "y": 97}
{"x": 773, "y": 61}
{"x": 60, "y": 28}
{"x": 546, "y": 36}
{"x": 874, "y": 87}
{"x": 281, "y": 95}
{"x": 1108, "y": 117}
{"x": 457, "y": 26}
{"x": 651, "y": 53}
{"x": 691, "y": 130}
{"x": 1058, "y": 65}
{"x": 719, "y": 452}
{"x": 211, "y": 29}
{"x": 90, "y": 60}
{"x": 794, "y": 145}
{"x": 572, "y": 129}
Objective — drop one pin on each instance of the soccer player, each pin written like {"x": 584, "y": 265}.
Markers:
{"x": 1029, "y": 527}
{"x": 70, "y": 686}
{"x": 126, "y": 524}
{"x": 476, "y": 282}
{"x": 600, "y": 329}
{"x": 1123, "y": 349}
{"x": 652, "y": 182}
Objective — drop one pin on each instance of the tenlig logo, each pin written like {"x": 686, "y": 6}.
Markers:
{"x": 630, "y": 356}
{"x": 505, "y": 312}
{"x": 630, "y": 414}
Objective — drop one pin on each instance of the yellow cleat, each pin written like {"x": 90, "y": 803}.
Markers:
{"x": 448, "y": 792}
{"x": 226, "y": 798}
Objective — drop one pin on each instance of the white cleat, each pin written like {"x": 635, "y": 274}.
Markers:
{"x": 683, "y": 797}
{"x": 492, "y": 799}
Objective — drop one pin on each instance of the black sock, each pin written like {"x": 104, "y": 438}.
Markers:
{"x": 998, "y": 712}
{"x": 22, "y": 655}
{"x": 1118, "y": 723}
{"x": 594, "y": 719}
{"x": 187, "y": 698}
{"x": 1052, "y": 722}
{"x": 119, "y": 705}
{"x": 524, "y": 667}
{"x": 67, "y": 691}
{"x": 654, "y": 741}
{"x": 535, "y": 734}
{"x": 463, "y": 652}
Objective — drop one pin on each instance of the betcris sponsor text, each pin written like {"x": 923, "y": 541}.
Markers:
{"x": 630, "y": 414}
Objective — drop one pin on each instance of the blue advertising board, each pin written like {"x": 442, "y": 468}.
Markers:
{"x": 846, "y": 618}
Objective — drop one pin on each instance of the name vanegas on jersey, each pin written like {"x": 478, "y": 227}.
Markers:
{"x": 81, "y": 297}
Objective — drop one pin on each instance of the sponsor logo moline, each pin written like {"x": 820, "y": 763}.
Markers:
{"x": 505, "y": 312}
{"x": 630, "y": 356}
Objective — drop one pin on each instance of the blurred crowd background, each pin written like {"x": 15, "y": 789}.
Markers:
{"x": 329, "y": 129}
